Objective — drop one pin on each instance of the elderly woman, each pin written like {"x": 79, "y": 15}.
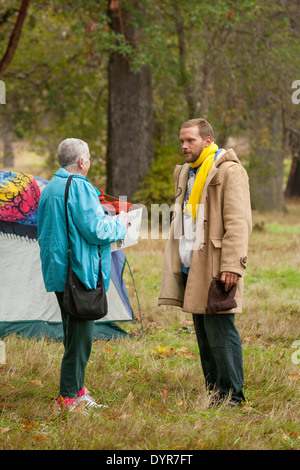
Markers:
{"x": 89, "y": 228}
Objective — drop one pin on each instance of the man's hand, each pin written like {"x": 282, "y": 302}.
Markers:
{"x": 229, "y": 279}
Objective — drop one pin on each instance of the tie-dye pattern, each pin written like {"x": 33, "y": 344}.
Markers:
{"x": 19, "y": 198}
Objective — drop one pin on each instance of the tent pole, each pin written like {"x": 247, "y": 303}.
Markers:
{"x": 136, "y": 296}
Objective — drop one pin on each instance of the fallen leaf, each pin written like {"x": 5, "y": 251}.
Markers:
{"x": 10, "y": 387}
{"x": 251, "y": 338}
{"x": 163, "y": 351}
{"x": 295, "y": 377}
{"x": 182, "y": 350}
{"x": 202, "y": 445}
{"x": 246, "y": 408}
{"x": 134, "y": 369}
{"x": 36, "y": 382}
{"x": 186, "y": 353}
{"x": 3, "y": 430}
{"x": 39, "y": 438}
{"x": 28, "y": 425}
{"x": 4, "y": 405}
{"x": 284, "y": 435}
{"x": 130, "y": 396}
{"x": 168, "y": 351}
{"x": 186, "y": 323}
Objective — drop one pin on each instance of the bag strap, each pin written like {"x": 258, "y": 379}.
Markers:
{"x": 66, "y": 211}
{"x": 67, "y": 225}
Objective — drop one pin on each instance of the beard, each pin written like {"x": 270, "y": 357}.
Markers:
{"x": 191, "y": 156}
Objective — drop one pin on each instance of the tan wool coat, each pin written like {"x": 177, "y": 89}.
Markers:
{"x": 223, "y": 228}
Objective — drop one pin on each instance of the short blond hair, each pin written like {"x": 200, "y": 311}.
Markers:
{"x": 205, "y": 129}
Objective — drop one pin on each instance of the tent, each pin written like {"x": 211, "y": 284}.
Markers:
{"x": 25, "y": 307}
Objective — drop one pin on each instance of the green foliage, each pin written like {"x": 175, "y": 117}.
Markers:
{"x": 157, "y": 186}
{"x": 207, "y": 58}
{"x": 57, "y": 85}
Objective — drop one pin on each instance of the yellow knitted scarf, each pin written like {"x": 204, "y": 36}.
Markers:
{"x": 206, "y": 160}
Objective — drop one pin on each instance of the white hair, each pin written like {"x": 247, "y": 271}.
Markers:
{"x": 70, "y": 151}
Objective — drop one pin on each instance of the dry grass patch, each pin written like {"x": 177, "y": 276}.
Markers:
{"x": 153, "y": 384}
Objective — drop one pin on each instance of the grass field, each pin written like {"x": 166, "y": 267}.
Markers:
{"x": 153, "y": 383}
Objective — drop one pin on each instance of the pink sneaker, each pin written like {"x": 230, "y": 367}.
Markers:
{"x": 67, "y": 404}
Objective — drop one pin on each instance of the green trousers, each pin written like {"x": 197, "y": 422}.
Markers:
{"x": 77, "y": 340}
{"x": 220, "y": 353}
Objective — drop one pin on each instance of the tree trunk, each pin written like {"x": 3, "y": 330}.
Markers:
{"x": 293, "y": 184}
{"x": 130, "y": 147}
{"x": 14, "y": 38}
{"x": 266, "y": 163}
{"x": 8, "y": 147}
{"x": 185, "y": 82}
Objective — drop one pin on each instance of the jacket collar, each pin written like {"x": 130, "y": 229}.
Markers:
{"x": 63, "y": 173}
{"x": 226, "y": 156}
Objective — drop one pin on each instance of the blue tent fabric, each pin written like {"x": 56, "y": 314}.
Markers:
{"x": 118, "y": 260}
{"x": 54, "y": 330}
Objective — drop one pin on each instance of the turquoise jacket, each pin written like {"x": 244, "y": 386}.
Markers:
{"x": 90, "y": 228}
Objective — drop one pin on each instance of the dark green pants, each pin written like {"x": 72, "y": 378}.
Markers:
{"x": 220, "y": 353}
{"x": 77, "y": 340}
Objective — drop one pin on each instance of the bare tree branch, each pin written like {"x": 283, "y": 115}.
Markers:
{"x": 14, "y": 38}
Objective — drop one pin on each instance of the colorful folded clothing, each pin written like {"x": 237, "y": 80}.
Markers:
{"x": 19, "y": 198}
{"x": 113, "y": 206}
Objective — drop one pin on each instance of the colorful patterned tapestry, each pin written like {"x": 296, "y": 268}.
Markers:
{"x": 19, "y": 198}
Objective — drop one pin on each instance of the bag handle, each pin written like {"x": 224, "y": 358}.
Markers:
{"x": 67, "y": 224}
{"x": 66, "y": 211}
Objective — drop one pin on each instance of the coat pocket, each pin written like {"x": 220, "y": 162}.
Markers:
{"x": 216, "y": 257}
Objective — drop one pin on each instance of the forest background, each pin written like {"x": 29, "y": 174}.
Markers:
{"x": 123, "y": 76}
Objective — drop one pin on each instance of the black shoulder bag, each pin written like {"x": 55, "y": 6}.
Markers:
{"x": 78, "y": 301}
